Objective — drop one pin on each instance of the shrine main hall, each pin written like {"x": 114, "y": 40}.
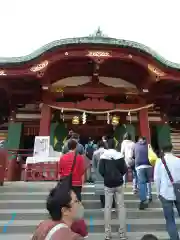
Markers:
{"x": 94, "y": 85}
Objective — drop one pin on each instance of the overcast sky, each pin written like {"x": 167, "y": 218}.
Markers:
{"x": 26, "y": 25}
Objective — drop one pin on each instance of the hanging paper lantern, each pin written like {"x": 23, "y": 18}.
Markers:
{"x": 75, "y": 120}
{"x": 115, "y": 120}
{"x": 108, "y": 118}
{"x": 62, "y": 114}
{"x": 58, "y": 89}
{"x": 130, "y": 119}
{"x": 84, "y": 118}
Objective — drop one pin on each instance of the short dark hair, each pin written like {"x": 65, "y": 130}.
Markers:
{"x": 149, "y": 237}
{"x": 111, "y": 143}
{"x": 72, "y": 143}
{"x": 70, "y": 134}
{"x": 101, "y": 144}
{"x": 59, "y": 197}
{"x": 142, "y": 138}
{"x": 167, "y": 148}
{"x": 127, "y": 136}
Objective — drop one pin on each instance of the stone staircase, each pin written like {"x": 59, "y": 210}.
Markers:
{"x": 22, "y": 207}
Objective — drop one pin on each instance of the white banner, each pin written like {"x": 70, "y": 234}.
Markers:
{"x": 41, "y": 146}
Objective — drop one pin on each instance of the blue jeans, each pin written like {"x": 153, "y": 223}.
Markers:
{"x": 168, "y": 210}
{"x": 144, "y": 183}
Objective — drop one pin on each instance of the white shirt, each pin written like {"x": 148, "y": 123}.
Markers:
{"x": 127, "y": 149}
{"x": 163, "y": 184}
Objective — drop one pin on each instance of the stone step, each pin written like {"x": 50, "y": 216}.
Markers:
{"x": 46, "y": 186}
{"x": 95, "y": 225}
{"x": 29, "y": 188}
{"x": 43, "y": 195}
{"x": 35, "y": 186}
{"x": 92, "y": 236}
{"x": 38, "y": 214}
{"x": 41, "y": 204}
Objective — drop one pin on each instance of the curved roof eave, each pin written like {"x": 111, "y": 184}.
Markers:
{"x": 90, "y": 40}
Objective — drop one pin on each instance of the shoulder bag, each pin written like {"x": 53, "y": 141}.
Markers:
{"x": 54, "y": 229}
{"x": 176, "y": 185}
{"x": 67, "y": 180}
{"x": 152, "y": 156}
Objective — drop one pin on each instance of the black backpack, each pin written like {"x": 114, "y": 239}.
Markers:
{"x": 112, "y": 176}
{"x": 89, "y": 151}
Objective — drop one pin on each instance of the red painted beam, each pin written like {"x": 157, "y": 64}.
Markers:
{"x": 170, "y": 77}
{"x": 80, "y": 51}
{"x": 44, "y": 128}
{"x": 144, "y": 124}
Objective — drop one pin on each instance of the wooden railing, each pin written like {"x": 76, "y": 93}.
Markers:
{"x": 16, "y": 163}
{"x": 41, "y": 172}
{"x": 18, "y": 170}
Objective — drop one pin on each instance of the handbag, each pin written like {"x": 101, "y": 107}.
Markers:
{"x": 67, "y": 180}
{"x": 152, "y": 156}
{"x": 176, "y": 185}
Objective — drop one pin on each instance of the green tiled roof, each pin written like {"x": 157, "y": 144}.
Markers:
{"x": 99, "y": 39}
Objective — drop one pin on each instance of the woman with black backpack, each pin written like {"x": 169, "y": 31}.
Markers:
{"x": 99, "y": 181}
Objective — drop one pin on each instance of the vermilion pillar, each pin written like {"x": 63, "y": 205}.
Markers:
{"x": 144, "y": 124}
{"x": 44, "y": 129}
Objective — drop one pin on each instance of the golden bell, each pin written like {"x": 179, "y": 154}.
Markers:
{"x": 57, "y": 89}
{"x": 115, "y": 120}
{"x": 75, "y": 120}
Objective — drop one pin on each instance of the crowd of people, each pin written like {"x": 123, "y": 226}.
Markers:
{"x": 110, "y": 166}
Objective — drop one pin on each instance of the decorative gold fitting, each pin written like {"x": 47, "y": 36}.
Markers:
{"x": 39, "y": 67}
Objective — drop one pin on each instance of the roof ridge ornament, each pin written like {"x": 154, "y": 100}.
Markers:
{"x": 98, "y": 34}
